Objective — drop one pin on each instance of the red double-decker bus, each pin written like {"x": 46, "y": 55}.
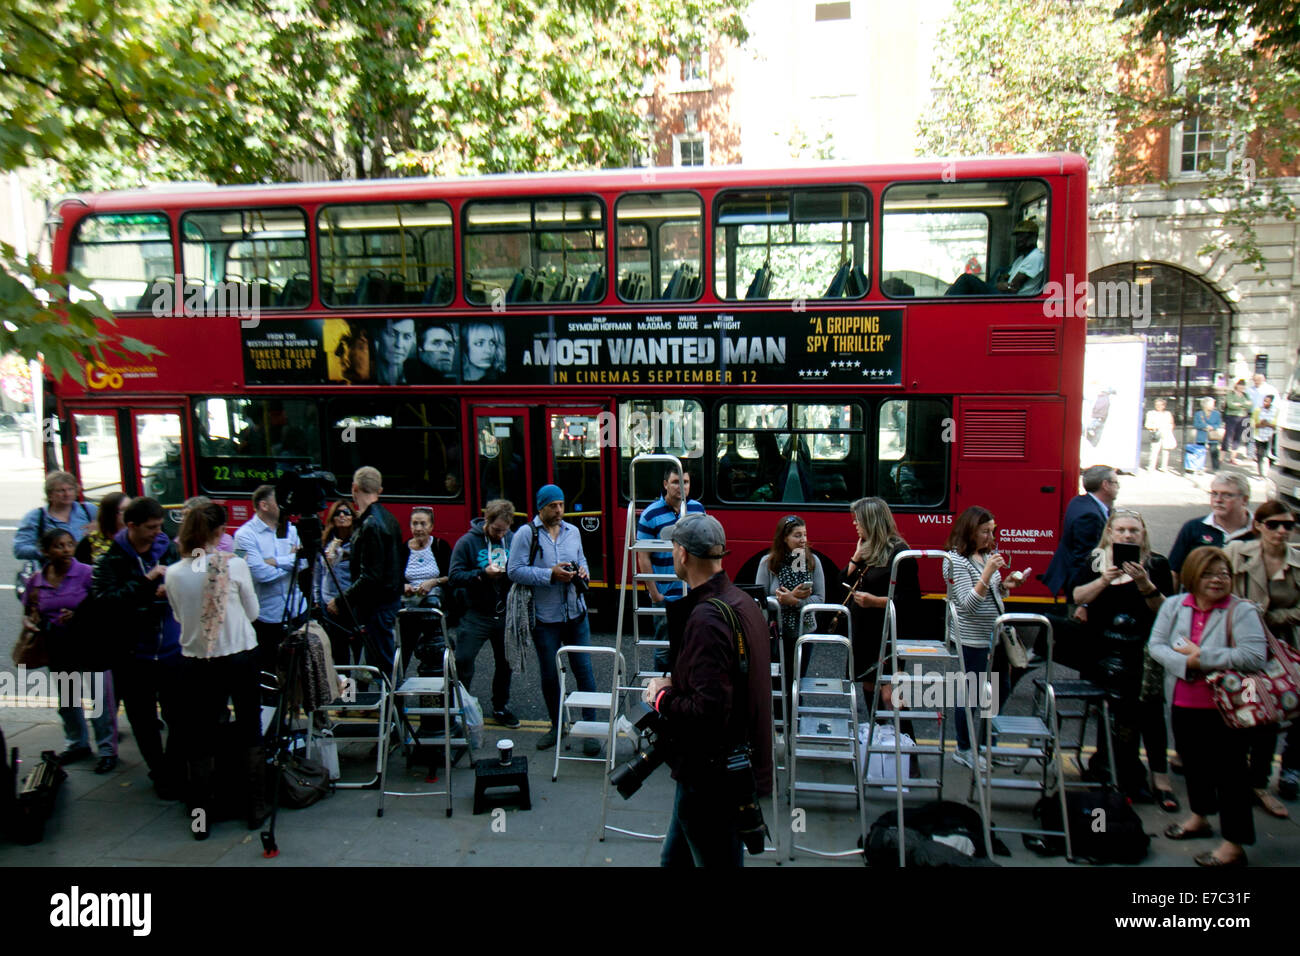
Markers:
{"x": 794, "y": 335}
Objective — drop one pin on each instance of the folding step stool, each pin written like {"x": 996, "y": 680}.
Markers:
{"x": 1039, "y": 732}
{"x": 900, "y": 652}
{"x": 825, "y": 732}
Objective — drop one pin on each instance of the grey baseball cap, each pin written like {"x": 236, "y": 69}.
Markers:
{"x": 701, "y": 535}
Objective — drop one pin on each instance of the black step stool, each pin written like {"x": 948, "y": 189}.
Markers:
{"x": 493, "y": 774}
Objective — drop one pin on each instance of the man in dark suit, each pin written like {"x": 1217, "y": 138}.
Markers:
{"x": 1085, "y": 519}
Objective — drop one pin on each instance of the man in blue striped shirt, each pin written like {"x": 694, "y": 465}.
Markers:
{"x": 659, "y": 515}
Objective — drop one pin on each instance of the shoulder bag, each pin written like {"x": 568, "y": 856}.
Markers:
{"x": 30, "y": 566}
{"x": 521, "y": 616}
{"x": 1265, "y": 698}
{"x": 32, "y": 648}
{"x": 1013, "y": 648}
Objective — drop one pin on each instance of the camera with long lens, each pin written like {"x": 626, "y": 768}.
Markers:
{"x": 654, "y": 749}
{"x": 1119, "y": 666}
{"x": 736, "y": 780}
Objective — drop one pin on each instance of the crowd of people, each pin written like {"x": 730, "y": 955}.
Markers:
{"x": 1242, "y": 429}
{"x": 195, "y": 625}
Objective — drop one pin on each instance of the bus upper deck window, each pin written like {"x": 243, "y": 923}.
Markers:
{"x": 976, "y": 237}
{"x": 660, "y": 252}
{"x": 385, "y": 254}
{"x": 792, "y": 244}
{"x": 243, "y": 258}
{"x": 535, "y": 252}
{"x": 127, "y": 257}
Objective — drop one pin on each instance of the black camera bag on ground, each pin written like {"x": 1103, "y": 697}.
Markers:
{"x": 25, "y": 812}
{"x": 940, "y": 818}
{"x": 1104, "y": 827}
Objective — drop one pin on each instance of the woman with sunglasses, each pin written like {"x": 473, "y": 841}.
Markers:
{"x": 792, "y": 574}
{"x": 336, "y": 557}
{"x": 1189, "y": 640}
{"x": 1267, "y": 572}
{"x": 1123, "y": 597}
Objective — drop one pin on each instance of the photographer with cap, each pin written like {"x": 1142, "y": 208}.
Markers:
{"x": 715, "y": 700}
{"x": 547, "y": 556}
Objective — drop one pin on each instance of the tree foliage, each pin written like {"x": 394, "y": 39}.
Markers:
{"x": 1275, "y": 24}
{"x": 1019, "y": 76}
{"x": 97, "y": 96}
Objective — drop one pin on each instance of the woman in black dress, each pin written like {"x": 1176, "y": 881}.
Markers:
{"x": 1122, "y": 597}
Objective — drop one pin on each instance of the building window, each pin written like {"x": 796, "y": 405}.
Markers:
{"x": 1204, "y": 147}
{"x": 832, "y": 11}
{"x": 694, "y": 66}
{"x": 691, "y": 150}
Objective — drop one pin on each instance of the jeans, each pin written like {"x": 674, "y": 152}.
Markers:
{"x": 702, "y": 831}
{"x": 476, "y": 628}
{"x": 548, "y": 638}
{"x": 145, "y": 685}
{"x": 75, "y": 732}
{"x": 379, "y": 639}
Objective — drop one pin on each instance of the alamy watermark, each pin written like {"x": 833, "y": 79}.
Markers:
{"x": 1104, "y": 300}
{"x": 944, "y": 691}
{"x": 173, "y": 297}
{"x": 40, "y": 688}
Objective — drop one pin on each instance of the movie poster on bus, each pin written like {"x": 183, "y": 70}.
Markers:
{"x": 749, "y": 348}
{"x": 284, "y": 353}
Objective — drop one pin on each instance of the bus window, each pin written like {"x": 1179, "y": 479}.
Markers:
{"x": 246, "y": 442}
{"x": 660, "y": 426}
{"x": 158, "y": 456}
{"x": 378, "y": 254}
{"x": 124, "y": 256}
{"x": 957, "y": 238}
{"x": 791, "y": 452}
{"x": 791, "y": 244}
{"x": 414, "y": 442}
{"x": 539, "y": 251}
{"x": 913, "y": 437}
{"x": 246, "y": 256}
{"x": 660, "y": 254}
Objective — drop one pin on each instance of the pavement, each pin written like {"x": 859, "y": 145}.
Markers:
{"x": 117, "y": 820}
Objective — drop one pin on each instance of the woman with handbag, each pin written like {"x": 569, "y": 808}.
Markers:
{"x": 55, "y": 596}
{"x": 211, "y": 593}
{"x": 1209, "y": 629}
{"x": 1122, "y": 597}
{"x": 1209, "y": 432}
{"x": 1266, "y": 571}
{"x": 975, "y": 591}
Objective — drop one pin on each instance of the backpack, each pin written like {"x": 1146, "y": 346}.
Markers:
{"x": 942, "y": 818}
{"x": 1104, "y": 827}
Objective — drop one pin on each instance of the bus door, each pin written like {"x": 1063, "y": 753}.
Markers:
{"x": 1010, "y": 463}
{"x": 95, "y": 455}
{"x": 158, "y": 444}
{"x": 576, "y": 463}
{"x": 501, "y": 465}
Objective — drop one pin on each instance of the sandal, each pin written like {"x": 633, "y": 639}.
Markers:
{"x": 1168, "y": 802}
{"x": 1209, "y": 859}
{"x": 1176, "y": 831}
{"x": 1271, "y": 804}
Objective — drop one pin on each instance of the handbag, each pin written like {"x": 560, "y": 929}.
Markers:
{"x": 1013, "y": 649}
{"x": 302, "y": 783}
{"x": 32, "y": 649}
{"x": 1216, "y": 434}
{"x": 1265, "y": 698}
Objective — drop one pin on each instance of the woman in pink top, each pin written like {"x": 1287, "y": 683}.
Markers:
{"x": 1190, "y": 639}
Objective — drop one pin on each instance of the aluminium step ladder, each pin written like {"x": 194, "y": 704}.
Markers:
{"x": 1039, "y": 733}
{"x": 780, "y": 725}
{"x": 929, "y": 659}
{"x": 824, "y": 723}
{"x": 631, "y": 581}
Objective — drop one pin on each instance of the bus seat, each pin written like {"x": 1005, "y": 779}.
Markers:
{"x": 673, "y": 290}
{"x": 694, "y": 292}
{"x": 856, "y": 286}
{"x": 296, "y": 292}
{"x": 794, "y": 487}
{"x": 433, "y": 294}
{"x": 154, "y": 291}
{"x": 539, "y": 289}
{"x": 594, "y": 290}
{"x": 512, "y": 293}
{"x": 396, "y": 293}
{"x": 755, "y": 285}
{"x": 525, "y": 291}
{"x": 836, "y": 288}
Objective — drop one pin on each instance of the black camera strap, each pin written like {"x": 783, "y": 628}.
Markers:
{"x": 729, "y": 615}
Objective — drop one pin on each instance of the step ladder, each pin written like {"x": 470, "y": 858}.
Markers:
{"x": 1039, "y": 735}
{"x": 780, "y": 725}
{"x": 633, "y": 577}
{"x": 824, "y": 721}
{"x": 429, "y": 696}
{"x": 641, "y": 649}
{"x": 572, "y": 701}
{"x": 935, "y": 659}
